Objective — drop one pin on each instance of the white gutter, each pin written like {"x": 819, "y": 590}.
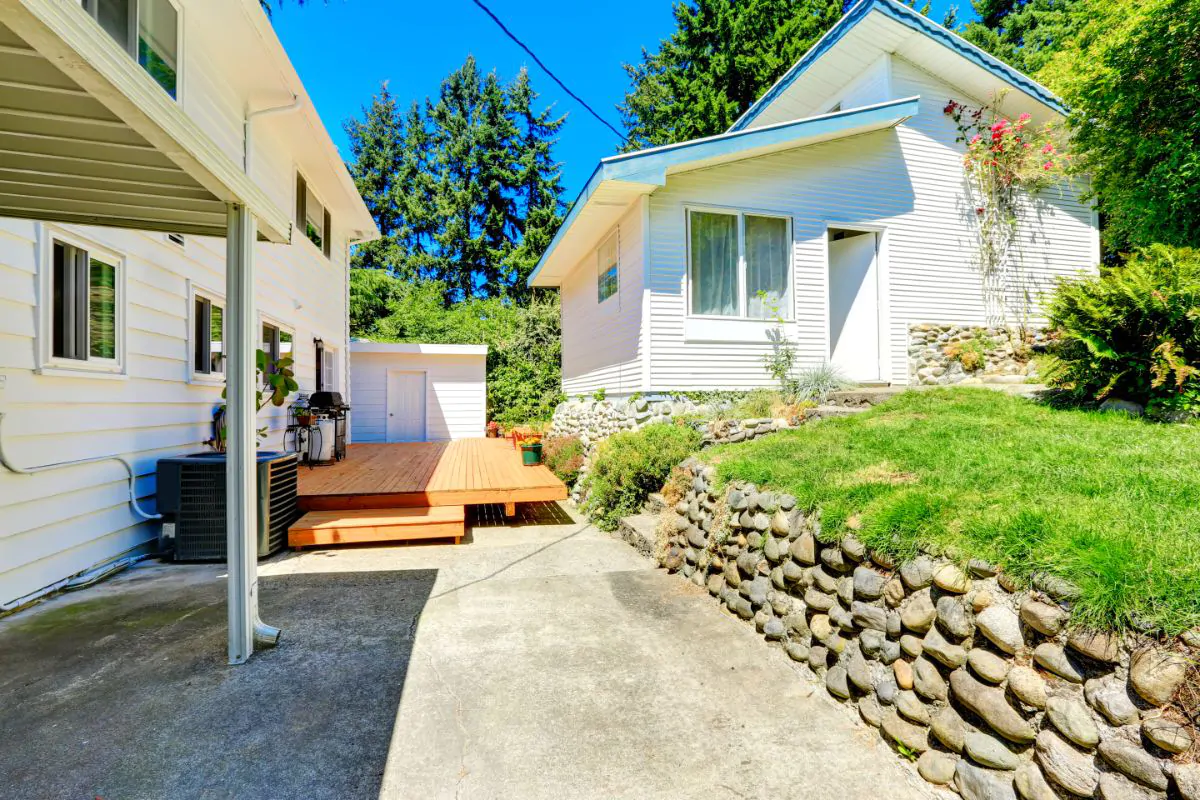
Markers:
{"x": 247, "y": 128}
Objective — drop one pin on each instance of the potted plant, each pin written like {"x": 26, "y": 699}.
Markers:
{"x": 531, "y": 451}
{"x": 280, "y": 382}
{"x": 493, "y": 430}
{"x": 304, "y": 415}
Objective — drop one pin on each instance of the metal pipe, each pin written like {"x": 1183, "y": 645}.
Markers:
{"x": 83, "y": 580}
{"x": 133, "y": 500}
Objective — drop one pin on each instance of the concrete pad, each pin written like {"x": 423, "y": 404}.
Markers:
{"x": 544, "y": 659}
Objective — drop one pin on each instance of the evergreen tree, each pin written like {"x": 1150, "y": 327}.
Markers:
{"x": 1023, "y": 33}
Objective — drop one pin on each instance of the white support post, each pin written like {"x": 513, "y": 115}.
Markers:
{"x": 241, "y": 481}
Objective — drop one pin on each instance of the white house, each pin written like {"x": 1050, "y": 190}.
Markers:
{"x": 145, "y": 141}
{"x": 417, "y": 392}
{"x": 840, "y": 194}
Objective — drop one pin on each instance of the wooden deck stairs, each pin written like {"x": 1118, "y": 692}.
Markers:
{"x": 359, "y": 526}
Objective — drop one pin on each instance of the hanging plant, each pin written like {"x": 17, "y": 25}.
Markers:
{"x": 1006, "y": 163}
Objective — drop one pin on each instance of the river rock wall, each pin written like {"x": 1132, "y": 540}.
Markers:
{"x": 1006, "y": 354}
{"x": 986, "y": 686}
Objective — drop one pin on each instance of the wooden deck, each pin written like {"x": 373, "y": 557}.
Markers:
{"x": 428, "y": 474}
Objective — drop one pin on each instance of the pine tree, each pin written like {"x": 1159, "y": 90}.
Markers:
{"x": 1023, "y": 33}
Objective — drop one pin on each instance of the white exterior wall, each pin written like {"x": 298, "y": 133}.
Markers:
{"x": 455, "y": 394}
{"x": 908, "y": 181}
{"x": 58, "y": 523}
{"x": 601, "y": 342}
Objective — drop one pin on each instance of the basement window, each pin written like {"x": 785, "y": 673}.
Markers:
{"x": 146, "y": 29}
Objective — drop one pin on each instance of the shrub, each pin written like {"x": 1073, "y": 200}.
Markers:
{"x": 628, "y": 466}
{"x": 815, "y": 383}
{"x": 1132, "y": 332}
{"x": 971, "y": 353}
{"x": 564, "y": 456}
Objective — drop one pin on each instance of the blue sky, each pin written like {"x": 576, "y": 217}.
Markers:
{"x": 344, "y": 49}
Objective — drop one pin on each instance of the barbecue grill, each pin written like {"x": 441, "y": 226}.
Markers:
{"x": 323, "y": 442}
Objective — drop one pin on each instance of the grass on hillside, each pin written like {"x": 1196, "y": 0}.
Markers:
{"x": 1106, "y": 501}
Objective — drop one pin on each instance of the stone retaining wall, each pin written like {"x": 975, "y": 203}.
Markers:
{"x": 594, "y": 420}
{"x": 985, "y": 685}
{"x": 1006, "y": 354}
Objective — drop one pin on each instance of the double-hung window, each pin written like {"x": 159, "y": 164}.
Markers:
{"x": 208, "y": 336}
{"x": 313, "y": 218}
{"x": 148, "y": 30}
{"x": 83, "y": 315}
{"x": 607, "y": 273}
{"x": 739, "y": 264}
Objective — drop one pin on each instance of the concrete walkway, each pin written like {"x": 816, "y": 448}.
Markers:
{"x": 541, "y": 660}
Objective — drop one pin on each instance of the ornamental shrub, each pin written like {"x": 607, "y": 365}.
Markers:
{"x": 564, "y": 456}
{"x": 628, "y": 466}
{"x": 1132, "y": 332}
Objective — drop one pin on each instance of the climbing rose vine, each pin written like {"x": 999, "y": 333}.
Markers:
{"x": 1007, "y": 163}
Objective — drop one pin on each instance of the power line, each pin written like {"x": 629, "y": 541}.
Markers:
{"x": 547, "y": 70}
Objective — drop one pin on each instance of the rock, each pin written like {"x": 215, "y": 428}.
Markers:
{"x": 882, "y": 560}
{"x": 1169, "y": 735}
{"x": 821, "y": 627}
{"x": 748, "y": 563}
{"x": 841, "y": 618}
{"x": 918, "y": 615}
{"x": 868, "y": 617}
{"x": 852, "y": 548}
{"x": 1127, "y": 407}
{"x": 981, "y": 569}
{"x": 990, "y": 705}
{"x": 886, "y": 690}
{"x": 832, "y": 557}
{"x": 773, "y": 550}
{"x": 927, "y": 681}
{"x": 903, "y": 672}
{"x": 715, "y": 584}
{"x": 824, "y": 581}
{"x": 1073, "y": 720}
{"x": 870, "y": 710}
{"x": 917, "y": 573}
{"x": 760, "y": 620}
{"x": 779, "y": 523}
{"x": 845, "y": 589}
{"x": 911, "y": 645}
{"x": 1101, "y": 646}
{"x": 1046, "y": 619}
{"x": 1115, "y": 786}
{"x": 937, "y": 768}
{"x": 889, "y": 652}
{"x": 868, "y": 584}
{"x": 1191, "y": 638}
{"x": 893, "y": 624}
{"x": 950, "y": 578}
{"x": 990, "y": 752}
{"x": 949, "y": 728}
{"x": 872, "y": 643}
{"x": 1058, "y": 588}
{"x": 792, "y": 572}
{"x": 796, "y": 651}
{"x": 804, "y": 549}
{"x": 1027, "y": 686}
{"x": 1053, "y": 658}
{"x": 1002, "y": 628}
{"x": 1135, "y": 762}
{"x": 773, "y": 629}
{"x": 911, "y": 707}
{"x": 818, "y": 657}
{"x": 1187, "y": 780}
{"x": 980, "y": 600}
{"x": 1031, "y": 784}
{"x": 858, "y": 671}
{"x": 936, "y": 647}
{"x": 978, "y": 783}
{"x": 954, "y": 618}
{"x": 756, "y": 590}
{"x": 987, "y": 665}
{"x": 900, "y": 731}
{"x": 893, "y": 592}
{"x": 797, "y": 625}
{"x": 835, "y": 682}
{"x": 1110, "y": 696}
{"x": 1157, "y": 674}
{"x": 781, "y": 604}
{"x": 817, "y": 600}
{"x": 1071, "y": 769}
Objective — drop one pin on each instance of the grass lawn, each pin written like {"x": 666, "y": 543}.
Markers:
{"x": 1108, "y": 502}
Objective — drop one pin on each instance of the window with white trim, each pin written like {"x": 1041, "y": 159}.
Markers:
{"x": 608, "y": 257}
{"x": 146, "y": 29}
{"x": 739, "y": 264}
{"x": 327, "y": 369}
{"x": 208, "y": 335}
{"x": 84, "y": 308}
{"x": 312, "y": 218}
{"x": 276, "y": 343}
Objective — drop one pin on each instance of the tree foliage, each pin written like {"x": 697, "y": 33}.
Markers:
{"x": 1023, "y": 33}
{"x": 465, "y": 189}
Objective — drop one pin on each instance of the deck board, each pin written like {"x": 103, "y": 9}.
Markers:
{"x": 428, "y": 474}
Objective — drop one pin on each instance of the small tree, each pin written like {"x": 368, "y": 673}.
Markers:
{"x": 273, "y": 390}
{"x": 780, "y": 363}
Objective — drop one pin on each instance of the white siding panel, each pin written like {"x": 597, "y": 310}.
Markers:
{"x": 601, "y": 341}
{"x": 455, "y": 394}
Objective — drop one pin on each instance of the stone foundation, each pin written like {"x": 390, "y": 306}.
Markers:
{"x": 1005, "y": 354}
{"x": 987, "y": 687}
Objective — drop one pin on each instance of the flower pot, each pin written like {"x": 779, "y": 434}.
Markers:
{"x": 305, "y": 420}
{"x": 531, "y": 454}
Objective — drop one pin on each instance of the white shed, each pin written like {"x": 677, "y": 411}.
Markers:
{"x": 417, "y": 392}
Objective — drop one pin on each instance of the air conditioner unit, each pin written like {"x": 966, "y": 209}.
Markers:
{"x": 191, "y": 498}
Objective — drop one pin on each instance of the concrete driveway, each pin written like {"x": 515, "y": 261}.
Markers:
{"x": 542, "y": 659}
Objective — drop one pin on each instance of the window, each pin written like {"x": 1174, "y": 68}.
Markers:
{"x": 276, "y": 342}
{"x": 148, "y": 30}
{"x": 84, "y": 310}
{"x": 739, "y": 264}
{"x": 607, "y": 280}
{"x": 208, "y": 336}
{"x": 326, "y": 368}
{"x": 312, "y": 218}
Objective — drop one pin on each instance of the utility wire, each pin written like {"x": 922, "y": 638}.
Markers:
{"x": 547, "y": 70}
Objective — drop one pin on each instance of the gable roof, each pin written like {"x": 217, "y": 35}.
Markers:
{"x": 619, "y": 180}
{"x": 875, "y": 27}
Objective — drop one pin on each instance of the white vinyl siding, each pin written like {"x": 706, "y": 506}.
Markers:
{"x": 455, "y": 394}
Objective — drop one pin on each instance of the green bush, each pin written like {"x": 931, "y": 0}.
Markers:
{"x": 564, "y": 456}
{"x": 1132, "y": 332}
{"x": 630, "y": 465}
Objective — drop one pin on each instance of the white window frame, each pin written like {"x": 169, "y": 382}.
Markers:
{"x": 789, "y": 300}
{"x": 282, "y": 327}
{"x": 615, "y": 238}
{"x": 131, "y": 51}
{"x": 47, "y": 363}
{"x": 217, "y": 299}
{"x": 330, "y": 354}
{"x": 326, "y": 216}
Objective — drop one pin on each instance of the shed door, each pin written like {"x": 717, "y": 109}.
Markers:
{"x": 405, "y": 406}
{"x": 854, "y": 305}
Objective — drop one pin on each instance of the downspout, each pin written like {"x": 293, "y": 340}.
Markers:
{"x": 247, "y": 128}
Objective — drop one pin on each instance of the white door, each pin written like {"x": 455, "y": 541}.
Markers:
{"x": 854, "y": 306}
{"x": 405, "y": 406}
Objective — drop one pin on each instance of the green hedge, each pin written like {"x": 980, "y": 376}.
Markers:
{"x": 628, "y": 466}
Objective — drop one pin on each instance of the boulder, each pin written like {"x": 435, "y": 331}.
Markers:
{"x": 1157, "y": 674}
{"x": 1069, "y": 768}
{"x": 836, "y": 682}
{"x": 1167, "y": 734}
{"x": 804, "y": 549}
{"x": 917, "y": 573}
{"x": 987, "y": 665}
{"x": 1073, "y": 720}
{"x": 920, "y": 612}
{"x": 1110, "y": 696}
{"x": 903, "y": 673}
{"x": 1115, "y": 786}
{"x": 936, "y": 647}
{"x": 1031, "y": 784}
{"x": 954, "y": 618}
{"x": 1053, "y": 658}
{"x": 989, "y": 751}
{"x": 949, "y": 728}
{"x": 1027, "y": 686}
{"x": 928, "y": 681}
{"x": 911, "y": 707}
{"x": 990, "y": 705}
{"x": 868, "y": 617}
{"x": 1101, "y": 646}
{"x": 1046, "y": 619}
{"x": 979, "y": 783}
{"x": 1134, "y": 761}
{"x": 903, "y": 732}
{"x": 870, "y": 710}
{"x": 950, "y": 578}
{"x": 893, "y": 592}
{"x": 937, "y": 768}
{"x": 1002, "y": 628}
{"x": 1187, "y": 781}
{"x": 868, "y": 584}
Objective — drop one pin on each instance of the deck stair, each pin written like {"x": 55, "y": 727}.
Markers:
{"x": 359, "y": 526}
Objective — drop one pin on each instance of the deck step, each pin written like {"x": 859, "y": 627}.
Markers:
{"x": 317, "y": 528}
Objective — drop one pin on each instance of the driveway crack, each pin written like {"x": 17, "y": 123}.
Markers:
{"x": 458, "y": 720}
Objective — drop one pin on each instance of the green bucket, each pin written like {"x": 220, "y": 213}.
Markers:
{"x": 531, "y": 454}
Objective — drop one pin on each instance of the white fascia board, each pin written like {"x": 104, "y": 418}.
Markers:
{"x": 65, "y": 35}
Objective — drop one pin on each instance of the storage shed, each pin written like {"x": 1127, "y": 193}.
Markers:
{"x": 417, "y": 392}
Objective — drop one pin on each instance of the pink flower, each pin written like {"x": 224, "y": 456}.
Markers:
{"x": 1049, "y": 148}
{"x": 1048, "y": 165}
{"x": 1024, "y": 118}
{"x": 999, "y": 126}
{"x": 975, "y": 139}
